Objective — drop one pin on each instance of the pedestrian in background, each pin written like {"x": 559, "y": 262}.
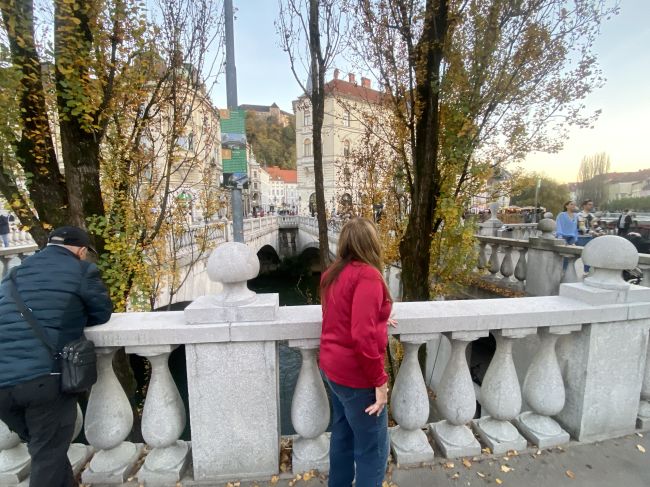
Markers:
{"x": 567, "y": 223}
{"x": 65, "y": 294}
{"x": 4, "y": 230}
{"x": 624, "y": 222}
{"x": 356, "y": 308}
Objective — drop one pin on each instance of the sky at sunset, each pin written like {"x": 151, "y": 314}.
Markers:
{"x": 264, "y": 77}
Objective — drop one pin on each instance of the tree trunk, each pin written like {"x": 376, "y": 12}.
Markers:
{"x": 415, "y": 246}
{"x": 35, "y": 148}
{"x": 317, "y": 98}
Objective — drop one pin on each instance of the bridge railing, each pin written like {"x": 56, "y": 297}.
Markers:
{"x": 585, "y": 379}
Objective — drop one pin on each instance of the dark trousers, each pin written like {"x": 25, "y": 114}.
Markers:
{"x": 44, "y": 417}
{"x": 358, "y": 439}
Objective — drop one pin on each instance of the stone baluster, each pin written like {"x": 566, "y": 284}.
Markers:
{"x": 501, "y": 396}
{"x": 163, "y": 421}
{"x": 410, "y": 406}
{"x": 456, "y": 400}
{"x": 570, "y": 274}
{"x": 521, "y": 268}
{"x": 643, "y": 417}
{"x": 310, "y": 412}
{"x": 109, "y": 420}
{"x": 544, "y": 392}
{"x": 78, "y": 453}
{"x": 15, "y": 461}
{"x": 482, "y": 256}
{"x": 646, "y": 274}
{"x": 494, "y": 260}
{"x": 507, "y": 268}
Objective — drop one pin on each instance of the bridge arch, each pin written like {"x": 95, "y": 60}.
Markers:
{"x": 269, "y": 258}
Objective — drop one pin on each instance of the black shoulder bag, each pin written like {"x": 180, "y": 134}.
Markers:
{"x": 78, "y": 359}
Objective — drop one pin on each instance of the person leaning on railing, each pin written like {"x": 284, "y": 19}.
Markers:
{"x": 567, "y": 223}
{"x": 356, "y": 308}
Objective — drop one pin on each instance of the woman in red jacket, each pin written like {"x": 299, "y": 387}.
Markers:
{"x": 356, "y": 309}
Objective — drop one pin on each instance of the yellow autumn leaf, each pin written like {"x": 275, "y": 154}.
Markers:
{"x": 482, "y": 475}
{"x": 449, "y": 465}
{"x": 498, "y": 481}
{"x": 505, "y": 468}
{"x": 570, "y": 474}
{"x": 467, "y": 463}
{"x": 275, "y": 479}
{"x": 455, "y": 476}
{"x": 640, "y": 448}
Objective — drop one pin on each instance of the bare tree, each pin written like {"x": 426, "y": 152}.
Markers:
{"x": 592, "y": 179}
{"x": 311, "y": 32}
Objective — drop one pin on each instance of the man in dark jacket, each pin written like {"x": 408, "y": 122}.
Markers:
{"x": 4, "y": 229}
{"x": 65, "y": 294}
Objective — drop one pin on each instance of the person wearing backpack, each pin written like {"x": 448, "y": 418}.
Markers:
{"x": 63, "y": 293}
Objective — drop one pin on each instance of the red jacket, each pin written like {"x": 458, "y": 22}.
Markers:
{"x": 354, "y": 335}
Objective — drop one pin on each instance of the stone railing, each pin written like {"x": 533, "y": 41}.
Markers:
{"x": 310, "y": 224}
{"x": 518, "y": 231}
{"x": 540, "y": 264}
{"x": 288, "y": 221}
{"x": 13, "y": 256}
{"x": 590, "y": 386}
{"x": 19, "y": 238}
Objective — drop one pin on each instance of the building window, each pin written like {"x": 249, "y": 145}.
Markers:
{"x": 346, "y": 148}
{"x": 346, "y": 118}
{"x": 307, "y": 117}
{"x": 307, "y": 148}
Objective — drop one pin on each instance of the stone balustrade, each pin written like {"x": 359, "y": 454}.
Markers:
{"x": 12, "y": 256}
{"x": 577, "y": 384}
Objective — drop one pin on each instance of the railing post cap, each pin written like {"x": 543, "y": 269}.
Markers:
{"x": 233, "y": 262}
{"x": 610, "y": 252}
{"x": 547, "y": 227}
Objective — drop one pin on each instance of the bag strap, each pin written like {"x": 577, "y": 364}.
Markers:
{"x": 27, "y": 314}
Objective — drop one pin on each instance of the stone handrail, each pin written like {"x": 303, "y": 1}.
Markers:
{"x": 12, "y": 256}
{"x": 232, "y": 361}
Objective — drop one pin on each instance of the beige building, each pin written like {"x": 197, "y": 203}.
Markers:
{"x": 194, "y": 162}
{"x": 346, "y": 105}
{"x": 272, "y": 111}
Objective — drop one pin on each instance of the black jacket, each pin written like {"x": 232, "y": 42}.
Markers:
{"x": 4, "y": 225}
{"x": 65, "y": 295}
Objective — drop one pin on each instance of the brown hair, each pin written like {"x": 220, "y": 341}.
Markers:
{"x": 358, "y": 241}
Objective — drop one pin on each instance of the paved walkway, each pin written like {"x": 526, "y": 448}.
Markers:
{"x": 611, "y": 463}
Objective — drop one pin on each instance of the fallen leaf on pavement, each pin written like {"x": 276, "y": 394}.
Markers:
{"x": 538, "y": 452}
{"x": 467, "y": 463}
{"x": 482, "y": 475}
{"x": 640, "y": 435}
{"x": 512, "y": 453}
{"x": 455, "y": 476}
{"x": 505, "y": 468}
{"x": 640, "y": 448}
{"x": 275, "y": 479}
{"x": 487, "y": 451}
{"x": 570, "y": 474}
{"x": 449, "y": 465}
{"x": 498, "y": 481}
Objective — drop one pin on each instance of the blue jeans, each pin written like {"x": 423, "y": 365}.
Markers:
{"x": 5, "y": 239}
{"x": 358, "y": 439}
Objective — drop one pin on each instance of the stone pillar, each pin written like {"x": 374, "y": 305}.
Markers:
{"x": 570, "y": 274}
{"x": 482, "y": 256}
{"x": 233, "y": 381}
{"x": 643, "y": 418}
{"x": 78, "y": 453}
{"x": 501, "y": 396}
{"x": 490, "y": 227}
{"x": 494, "y": 261}
{"x": 310, "y": 412}
{"x": 604, "y": 364}
{"x": 507, "y": 269}
{"x": 521, "y": 268}
{"x": 14, "y": 458}
{"x": 410, "y": 407}
{"x": 456, "y": 401}
{"x": 544, "y": 392}
{"x": 163, "y": 421}
{"x": 109, "y": 420}
{"x": 544, "y": 266}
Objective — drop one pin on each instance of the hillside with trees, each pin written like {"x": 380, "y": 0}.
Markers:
{"x": 273, "y": 144}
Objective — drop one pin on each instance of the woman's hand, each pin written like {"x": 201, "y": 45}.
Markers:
{"x": 392, "y": 321}
{"x": 381, "y": 399}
